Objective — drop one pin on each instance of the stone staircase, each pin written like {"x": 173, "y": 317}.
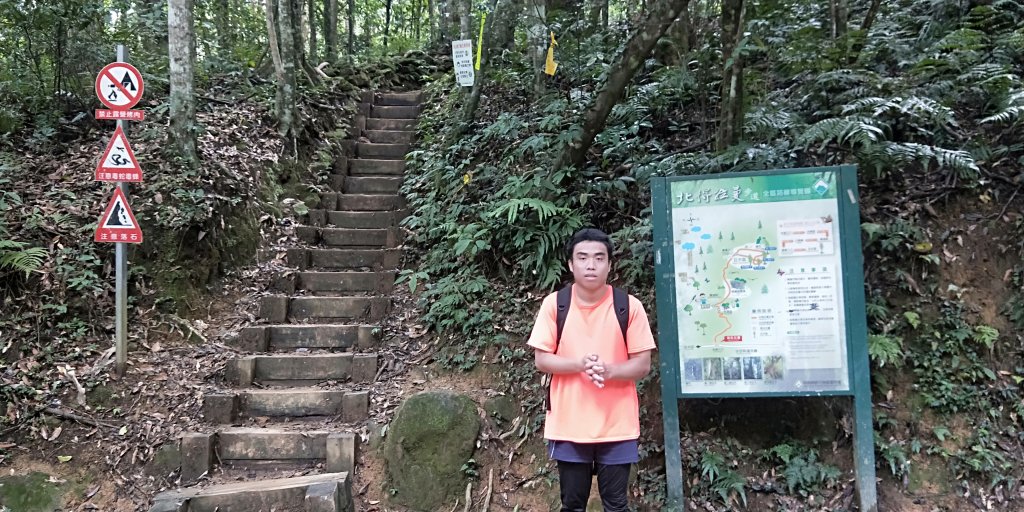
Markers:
{"x": 295, "y": 399}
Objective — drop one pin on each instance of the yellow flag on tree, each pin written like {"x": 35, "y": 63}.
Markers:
{"x": 550, "y": 66}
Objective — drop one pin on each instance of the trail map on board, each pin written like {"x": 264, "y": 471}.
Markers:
{"x": 758, "y": 284}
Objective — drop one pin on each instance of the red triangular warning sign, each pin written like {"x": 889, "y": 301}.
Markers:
{"x": 118, "y": 162}
{"x": 118, "y": 223}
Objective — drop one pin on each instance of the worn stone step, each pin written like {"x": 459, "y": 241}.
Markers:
{"x": 343, "y": 259}
{"x": 374, "y": 167}
{"x": 301, "y": 370}
{"x": 365, "y": 219}
{"x": 321, "y": 309}
{"x": 232, "y": 406}
{"x": 391, "y": 136}
{"x": 371, "y": 282}
{"x": 394, "y": 112}
{"x": 348, "y": 237}
{"x": 370, "y": 202}
{"x": 372, "y": 185}
{"x": 328, "y": 492}
{"x": 411, "y": 98}
{"x": 327, "y": 336}
{"x": 382, "y": 151}
{"x": 391, "y": 124}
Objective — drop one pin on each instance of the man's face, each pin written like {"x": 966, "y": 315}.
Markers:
{"x": 590, "y": 265}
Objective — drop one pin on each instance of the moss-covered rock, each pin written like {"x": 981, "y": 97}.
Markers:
{"x": 432, "y": 436}
{"x": 33, "y": 492}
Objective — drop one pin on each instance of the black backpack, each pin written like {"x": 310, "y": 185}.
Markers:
{"x": 620, "y": 301}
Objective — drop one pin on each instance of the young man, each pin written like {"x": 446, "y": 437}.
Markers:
{"x": 593, "y": 422}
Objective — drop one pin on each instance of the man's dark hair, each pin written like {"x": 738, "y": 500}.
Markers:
{"x": 588, "y": 235}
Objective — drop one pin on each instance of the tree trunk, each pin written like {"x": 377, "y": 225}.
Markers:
{"x": 351, "y": 28}
{"x": 505, "y": 37}
{"x": 275, "y": 52}
{"x": 538, "y": 41}
{"x": 839, "y": 11}
{"x": 432, "y": 23}
{"x": 465, "y": 18}
{"x": 387, "y": 23}
{"x": 367, "y": 30}
{"x": 615, "y": 79}
{"x": 331, "y": 30}
{"x": 499, "y": 8}
{"x": 289, "y": 115}
{"x": 730, "y": 123}
{"x": 312, "y": 31}
{"x": 865, "y": 29}
{"x": 222, "y": 21}
{"x": 181, "y": 49}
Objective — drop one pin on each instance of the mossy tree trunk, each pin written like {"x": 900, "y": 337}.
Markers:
{"x": 331, "y": 30}
{"x": 288, "y": 115}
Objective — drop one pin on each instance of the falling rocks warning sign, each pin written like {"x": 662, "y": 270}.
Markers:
{"x": 118, "y": 223}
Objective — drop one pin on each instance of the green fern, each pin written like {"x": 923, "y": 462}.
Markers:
{"x": 15, "y": 256}
{"x": 514, "y": 207}
{"x": 1011, "y": 112}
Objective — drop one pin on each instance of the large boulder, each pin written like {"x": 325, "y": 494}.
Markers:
{"x": 431, "y": 437}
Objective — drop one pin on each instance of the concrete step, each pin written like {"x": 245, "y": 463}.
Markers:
{"x": 267, "y": 338}
{"x": 372, "y": 167}
{"x": 301, "y": 370}
{"x": 391, "y": 136}
{"x": 394, "y": 112}
{"x": 370, "y": 202}
{"x": 355, "y": 220}
{"x": 329, "y": 492}
{"x": 349, "y": 237}
{"x": 391, "y": 124}
{"x": 344, "y": 259}
{"x": 335, "y": 282}
{"x": 230, "y": 407}
{"x": 277, "y": 309}
{"x": 412, "y": 98}
{"x": 372, "y": 185}
{"x": 382, "y": 151}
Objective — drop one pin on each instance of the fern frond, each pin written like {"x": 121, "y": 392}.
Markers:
{"x": 1013, "y": 111}
{"x": 14, "y": 256}
{"x": 855, "y": 130}
{"x": 956, "y": 160}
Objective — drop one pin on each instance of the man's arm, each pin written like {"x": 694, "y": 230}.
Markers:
{"x": 555, "y": 364}
{"x": 636, "y": 368}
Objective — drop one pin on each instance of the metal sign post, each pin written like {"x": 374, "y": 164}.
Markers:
{"x": 121, "y": 279}
{"x": 759, "y": 282}
{"x": 119, "y": 86}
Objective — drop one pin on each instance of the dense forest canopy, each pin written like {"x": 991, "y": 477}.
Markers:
{"x": 925, "y": 96}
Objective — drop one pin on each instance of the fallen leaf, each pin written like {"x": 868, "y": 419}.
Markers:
{"x": 63, "y": 458}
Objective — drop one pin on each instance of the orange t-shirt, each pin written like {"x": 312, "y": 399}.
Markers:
{"x": 580, "y": 411}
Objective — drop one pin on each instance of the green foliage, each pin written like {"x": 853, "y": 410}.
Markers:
{"x": 721, "y": 480}
{"x": 18, "y": 257}
{"x": 803, "y": 472}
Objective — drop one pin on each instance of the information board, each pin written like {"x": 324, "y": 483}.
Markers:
{"x": 757, "y": 282}
{"x": 760, "y": 290}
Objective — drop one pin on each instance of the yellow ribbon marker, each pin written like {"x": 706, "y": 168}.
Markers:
{"x": 480, "y": 41}
{"x": 550, "y": 66}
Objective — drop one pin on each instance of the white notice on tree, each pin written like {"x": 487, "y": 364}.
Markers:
{"x": 462, "y": 56}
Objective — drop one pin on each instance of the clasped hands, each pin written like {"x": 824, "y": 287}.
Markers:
{"x": 595, "y": 369}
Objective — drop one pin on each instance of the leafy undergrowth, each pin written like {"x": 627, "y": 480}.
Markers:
{"x": 56, "y": 320}
{"x": 938, "y": 144}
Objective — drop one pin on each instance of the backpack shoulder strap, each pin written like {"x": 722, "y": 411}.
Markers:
{"x": 620, "y": 300}
{"x": 563, "y": 299}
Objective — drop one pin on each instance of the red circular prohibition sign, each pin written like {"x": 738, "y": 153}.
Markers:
{"x": 119, "y": 92}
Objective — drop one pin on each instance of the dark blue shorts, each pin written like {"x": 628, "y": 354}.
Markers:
{"x": 617, "y": 452}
